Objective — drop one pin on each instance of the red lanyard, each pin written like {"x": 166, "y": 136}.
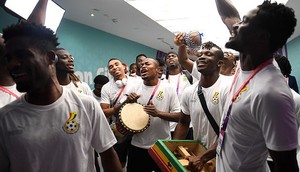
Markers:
{"x": 8, "y": 92}
{"x": 235, "y": 95}
{"x": 152, "y": 95}
{"x": 178, "y": 83}
{"x": 117, "y": 98}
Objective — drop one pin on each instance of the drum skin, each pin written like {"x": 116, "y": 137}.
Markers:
{"x": 132, "y": 119}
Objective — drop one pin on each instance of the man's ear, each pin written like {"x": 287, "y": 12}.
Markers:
{"x": 53, "y": 58}
{"x": 220, "y": 63}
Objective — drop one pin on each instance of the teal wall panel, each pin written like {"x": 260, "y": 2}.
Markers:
{"x": 294, "y": 57}
{"x": 91, "y": 48}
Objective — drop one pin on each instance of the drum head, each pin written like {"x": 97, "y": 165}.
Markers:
{"x": 134, "y": 117}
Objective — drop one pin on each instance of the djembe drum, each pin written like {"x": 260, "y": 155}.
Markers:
{"x": 132, "y": 119}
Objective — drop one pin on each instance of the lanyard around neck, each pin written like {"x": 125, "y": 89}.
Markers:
{"x": 235, "y": 95}
{"x": 8, "y": 92}
{"x": 178, "y": 83}
{"x": 117, "y": 98}
{"x": 153, "y": 92}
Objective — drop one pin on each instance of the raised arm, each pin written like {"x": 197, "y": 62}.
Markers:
{"x": 183, "y": 59}
{"x": 228, "y": 13}
{"x": 38, "y": 15}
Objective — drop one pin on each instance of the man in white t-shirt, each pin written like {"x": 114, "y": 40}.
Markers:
{"x": 49, "y": 128}
{"x": 178, "y": 80}
{"x": 113, "y": 97}
{"x": 8, "y": 90}
{"x": 161, "y": 103}
{"x": 65, "y": 73}
{"x": 99, "y": 82}
{"x": 259, "y": 117}
{"x": 215, "y": 88}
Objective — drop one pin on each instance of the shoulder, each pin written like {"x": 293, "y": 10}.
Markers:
{"x": 11, "y": 107}
{"x": 72, "y": 96}
{"x": 187, "y": 92}
{"x": 108, "y": 85}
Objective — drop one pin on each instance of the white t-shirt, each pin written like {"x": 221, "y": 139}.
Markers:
{"x": 195, "y": 73}
{"x": 110, "y": 91}
{"x": 164, "y": 99}
{"x": 37, "y": 138}
{"x": 296, "y": 97}
{"x": 260, "y": 119}
{"x": 6, "y": 97}
{"x": 215, "y": 97}
{"x": 179, "y": 82}
{"x": 96, "y": 97}
{"x": 83, "y": 88}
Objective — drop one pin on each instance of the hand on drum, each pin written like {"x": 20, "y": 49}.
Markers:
{"x": 151, "y": 109}
{"x": 132, "y": 98}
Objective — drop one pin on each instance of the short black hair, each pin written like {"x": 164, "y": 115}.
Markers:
{"x": 209, "y": 45}
{"x": 59, "y": 48}
{"x": 41, "y": 37}
{"x": 114, "y": 59}
{"x": 101, "y": 79}
{"x": 171, "y": 52}
{"x": 140, "y": 56}
{"x": 279, "y": 20}
{"x": 132, "y": 64}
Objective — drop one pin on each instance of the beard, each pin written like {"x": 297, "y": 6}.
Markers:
{"x": 22, "y": 87}
{"x": 233, "y": 44}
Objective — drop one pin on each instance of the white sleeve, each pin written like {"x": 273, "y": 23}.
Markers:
{"x": 195, "y": 73}
{"x": 86, "y": 88}
{"x": 184, "y": 102}
{"x": 296, "y": 97}
{"x": 274, "y": 112}
{"x": 103, "y": 137}
{"x": 105, "y": 94}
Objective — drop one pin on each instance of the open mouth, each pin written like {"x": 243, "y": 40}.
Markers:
{"x": 143, "y": 72}
{"x": 233, "y": 34}
{"x": 71, "y": 66}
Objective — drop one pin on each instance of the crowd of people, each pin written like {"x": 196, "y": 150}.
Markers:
{"x": 240, "y": 108}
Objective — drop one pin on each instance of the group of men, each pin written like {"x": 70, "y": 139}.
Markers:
{"x": 51, "y": 127}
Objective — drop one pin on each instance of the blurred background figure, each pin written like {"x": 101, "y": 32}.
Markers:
{"x": 138, "y": 60}
{"x": 161, "y": 63}
{"x": 229, "y": 64}
{"x": 132, "y": 70}
{"x": 8, "y": 90}
{"x": 65, "y": 73}
{"x": 286, "y": 70}
{"x": 99, "y": 81}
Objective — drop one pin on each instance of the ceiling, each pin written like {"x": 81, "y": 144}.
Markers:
{"x": 119, "y": 18}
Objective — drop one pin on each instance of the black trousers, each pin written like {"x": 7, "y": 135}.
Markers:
{"x": 139, "y": 160}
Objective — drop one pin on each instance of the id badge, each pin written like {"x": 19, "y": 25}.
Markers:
{"x": 220, "y": 142}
